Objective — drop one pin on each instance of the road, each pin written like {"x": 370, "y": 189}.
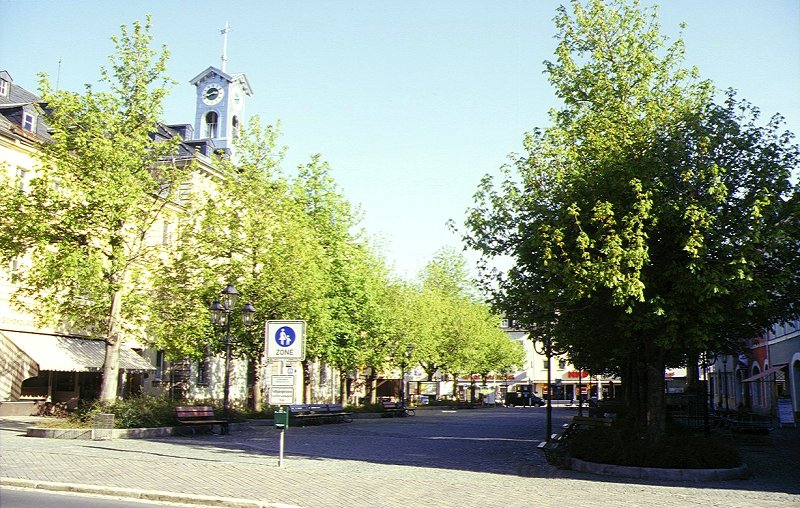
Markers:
{"x": 25, "y": 498}
{"x": 441, "y": 459}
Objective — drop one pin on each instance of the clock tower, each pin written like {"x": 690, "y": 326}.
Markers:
{"x": 219, "y": 110}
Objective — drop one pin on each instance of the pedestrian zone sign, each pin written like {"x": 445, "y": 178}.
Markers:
{"x": 285, "y": 340}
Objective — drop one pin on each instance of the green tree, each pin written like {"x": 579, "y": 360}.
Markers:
{"x": 102, "y": 186}
{"x": 647, "y": 223}
{"x": 335, "y": 228}
{"x": 250, "y": 231}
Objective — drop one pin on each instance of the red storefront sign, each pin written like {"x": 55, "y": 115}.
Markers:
{"x": 574, "y": 374}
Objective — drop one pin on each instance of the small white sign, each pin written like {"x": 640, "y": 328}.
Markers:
{"x": 279, "y": 395}
{"x": 282, "y": 380}
{"x": 285, "y": 340}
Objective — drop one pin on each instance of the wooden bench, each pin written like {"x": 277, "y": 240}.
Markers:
{"x": 555, "y": 449}
{"x": 748, "y": 423}
{"x": 200, "y": 416}
{"x": 392, "y": 409}
{"x": 319, "y": 413}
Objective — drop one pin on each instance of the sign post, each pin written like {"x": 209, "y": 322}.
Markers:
{"x": 284, "y": 340}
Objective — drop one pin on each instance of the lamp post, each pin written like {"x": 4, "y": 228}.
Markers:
{"x": 547, "y": 349}
{"x": 221, "y": 316}
{"x": 404, "y": 360}
{"x": 725, "y": 379}
{"x": 707, "y": 358}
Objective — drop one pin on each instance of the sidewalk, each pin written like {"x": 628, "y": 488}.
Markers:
{"x": 241, "y": 470}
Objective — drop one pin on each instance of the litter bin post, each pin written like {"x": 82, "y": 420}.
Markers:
{"x": 281, "y": 418}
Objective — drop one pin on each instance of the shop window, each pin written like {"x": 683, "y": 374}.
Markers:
{"x": 64, "y": 381}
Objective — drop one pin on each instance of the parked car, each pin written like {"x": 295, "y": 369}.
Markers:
{"x": 524, "y": 399}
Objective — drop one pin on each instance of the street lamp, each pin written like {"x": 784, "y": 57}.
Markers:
{"x": 725, "y": 379}
{"x": 221, "y": 316}
{"x": 405, "y": 357}
{"x": 707, "y": 358}
{"x": 547, "y": 349}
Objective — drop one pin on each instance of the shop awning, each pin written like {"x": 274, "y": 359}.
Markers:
{"x": 72, "y": 354}
{"x": 761, "y": 375}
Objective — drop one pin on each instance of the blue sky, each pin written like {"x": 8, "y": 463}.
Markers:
{"x": 411, "y": 102}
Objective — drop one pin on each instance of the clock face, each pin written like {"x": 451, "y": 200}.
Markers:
{"x": 212, "y": 94}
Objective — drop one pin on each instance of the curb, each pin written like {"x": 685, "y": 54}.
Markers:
{"x": 144, "y": 495}
{"x": 656, "y": 473}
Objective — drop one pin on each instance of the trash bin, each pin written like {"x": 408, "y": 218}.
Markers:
{"x": 281, "y": 418}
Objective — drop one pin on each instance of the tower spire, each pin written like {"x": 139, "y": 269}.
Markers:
{"x": 224, "y": 33}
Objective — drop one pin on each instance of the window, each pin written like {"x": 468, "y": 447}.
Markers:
{"x": 211, "y": 124}
{"x": 166, "y": 233}
{"x": 202, "y": 372}
{"x": 546, "y": 364}
{"x": 29, "y": 122}
{"x": 562, "y": 364}
{"x": 159, "y": 374}
{"x": 235, "y": 125}
{"x": 23, "y": 176}
{"x": 4, "y": 88}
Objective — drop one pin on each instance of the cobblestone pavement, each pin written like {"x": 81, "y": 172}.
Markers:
{"x": 478, "y": 458}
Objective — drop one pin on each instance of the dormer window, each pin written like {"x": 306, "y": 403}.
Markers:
{"x": 211, "y": 124}
{"x": 29, "y": 122}
{"x": 4, "y": 87}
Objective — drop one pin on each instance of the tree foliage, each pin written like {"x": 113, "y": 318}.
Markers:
{"x": 102, "y": 185}
{"x": 647, "y": 222}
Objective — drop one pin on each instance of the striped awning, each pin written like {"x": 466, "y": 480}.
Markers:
{"x": 72, "y": 354}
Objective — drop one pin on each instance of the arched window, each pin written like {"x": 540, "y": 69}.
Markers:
{"x": 235, "y": 125}
{"x": 212, "y": 120}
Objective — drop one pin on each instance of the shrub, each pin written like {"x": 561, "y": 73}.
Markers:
{"x": 680, "y": 449}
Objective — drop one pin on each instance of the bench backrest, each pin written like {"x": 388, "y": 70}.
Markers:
{"x": 318, "y": 408}
{"x": 187, "y": 412}
{"x": 389, "y": 404}
{"x": 298, "y": 409}
{"x": 335, "y": 408}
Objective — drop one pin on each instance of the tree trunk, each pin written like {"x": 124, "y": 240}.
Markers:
{"x": 372, "y": 380}
{"x": 342, "y": 387}
{"x": 256, "y": 376}
{"x": 692, "y": 373}
{"x": 307, "y": 381}
{"x": 656, "y": 401}
{"x": 108, "y": 388}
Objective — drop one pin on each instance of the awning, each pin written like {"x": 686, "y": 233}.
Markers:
{"x": 72, "y": 354}
{"x": 761, "y": 375}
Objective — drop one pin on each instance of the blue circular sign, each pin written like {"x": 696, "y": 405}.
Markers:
{"x": 285, "y": 336}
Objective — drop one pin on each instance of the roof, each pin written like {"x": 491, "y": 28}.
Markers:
{"x": 20, "y": 101}
{"x": 214, "y": 73}
{"x": 72, "y": 354}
